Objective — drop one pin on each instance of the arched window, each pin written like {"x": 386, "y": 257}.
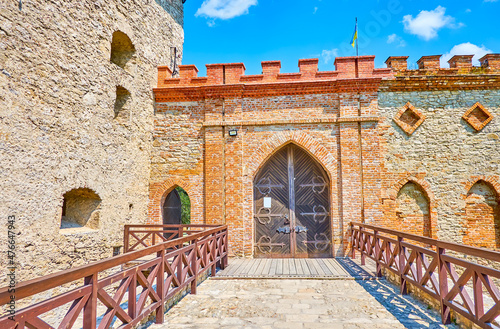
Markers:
{"x": 122, "y": 49}
{"x": 80, "y": 209}
{"x": 413, "y": 211}
{"x": 482, "y": 220}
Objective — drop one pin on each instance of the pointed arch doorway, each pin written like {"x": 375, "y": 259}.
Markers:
{"x": 291, "y": 207}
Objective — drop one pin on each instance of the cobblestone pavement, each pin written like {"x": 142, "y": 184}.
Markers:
{"x": 299, "y": 303}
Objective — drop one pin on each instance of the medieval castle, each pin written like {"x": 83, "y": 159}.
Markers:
{"x": 96, "y": 132}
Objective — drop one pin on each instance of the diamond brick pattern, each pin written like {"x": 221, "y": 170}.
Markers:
{"x": 477, "y": 116}
{"x": 409, "y": 118}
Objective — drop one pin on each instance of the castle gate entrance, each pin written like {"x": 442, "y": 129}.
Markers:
{"x": 291, "y": 207}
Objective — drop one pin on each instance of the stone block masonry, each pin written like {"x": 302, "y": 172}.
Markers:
{"x": 75, "y": 117}
{"x": 438, "y": 177}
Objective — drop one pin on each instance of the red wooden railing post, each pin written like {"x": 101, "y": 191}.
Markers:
{"x": 353, "y": 242}
{"x": 443, "y": 286}
{"x": 363, "y": 245}
{"x": 478, "y": 296}
{"x": 213, "y": 252}
{"x": 132, "y": 290}
{"x": 194, "y": 266}
{"x": 378, "y": 270}
{"x": 401, "y": 253}
{"x": 160, "y": 281}
{"x": 224, "y": 261}
{"x": 125, "y": 239}
{"x": 90, "y": 308}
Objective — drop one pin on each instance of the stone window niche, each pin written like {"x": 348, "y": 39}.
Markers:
{"x": 80, "y": 209}
{"x": 409, "y": 118}
{"x": 477, "y": 116}
{"x": 122, "y": 49}
{"x": 122, "y": 102}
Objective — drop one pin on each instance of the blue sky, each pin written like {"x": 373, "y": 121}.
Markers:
{"x": 251, "y": 31}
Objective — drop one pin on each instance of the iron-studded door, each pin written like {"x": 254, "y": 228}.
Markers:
{"x": 312, "y": 207}
{"x": 292, "y": 207}
{"x": 271, "y": 186}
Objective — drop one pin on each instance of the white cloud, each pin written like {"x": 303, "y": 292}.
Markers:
{"x": 468, "y": 10}
{"x": 490, "y": 0}
{"x": 328, "y": 55}
{"x": 397, "y": 40}
{"x": 224, "y": 9}
{"x": 315, "y": 10}
{"x": 466, "y": 48}
{"x": 427, "y": 23}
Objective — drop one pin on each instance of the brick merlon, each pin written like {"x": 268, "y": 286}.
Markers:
{"x": 490, "y": 60}
{"x": 429, "y": 62}
{"x": 460, "y": 61}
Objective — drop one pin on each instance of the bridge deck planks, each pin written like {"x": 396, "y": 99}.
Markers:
{"x": 299, "y": 268}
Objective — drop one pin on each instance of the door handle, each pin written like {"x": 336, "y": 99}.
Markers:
{"x": 300, "y": 229}
{"x": 285, "y": 230}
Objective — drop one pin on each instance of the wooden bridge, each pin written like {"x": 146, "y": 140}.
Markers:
{"x": 163, "y": 262}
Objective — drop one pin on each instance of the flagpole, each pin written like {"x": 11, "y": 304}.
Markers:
{"x": 357, "y": 51}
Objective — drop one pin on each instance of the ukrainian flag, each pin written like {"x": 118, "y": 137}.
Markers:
{"x": 355, "y": 35}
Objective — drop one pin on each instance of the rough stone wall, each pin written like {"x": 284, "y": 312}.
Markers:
{"x": 445, "y": 156}
{"x": 58, "y": 129}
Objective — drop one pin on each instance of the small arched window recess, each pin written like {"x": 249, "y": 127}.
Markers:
{"x": 122, "y": 49}
{"x": 122, "y": 101}
{"x": 80, "y": 209}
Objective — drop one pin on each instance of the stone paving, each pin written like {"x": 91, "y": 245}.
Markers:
{"x": 299, "y": 303}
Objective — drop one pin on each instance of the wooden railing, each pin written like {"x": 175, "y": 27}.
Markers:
{"x": 438, "y": 268}
{"x": 142, "y": 236}
{"x": 166, "y": 269}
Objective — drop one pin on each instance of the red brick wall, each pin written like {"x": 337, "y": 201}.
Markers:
{"x": 332, "y": 115}
{"x": 328, "y": 119}
{"x": 482, "y": 216}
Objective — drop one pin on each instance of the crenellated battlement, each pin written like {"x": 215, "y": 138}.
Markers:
{"x": 345, "y": 68}
{"x": 458, "y": 65}
{"x": 234, "y": 73}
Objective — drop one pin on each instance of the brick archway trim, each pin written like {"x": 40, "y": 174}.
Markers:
{"x": 491, "y": 180}
{"x": 426, "y": 188}
{"x": 305, "y": 141}
{"x": 157, "y": 194}
{"x": 424, "y": 185}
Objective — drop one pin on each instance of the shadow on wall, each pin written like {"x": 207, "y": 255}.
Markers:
{"x": 174, "y": 8}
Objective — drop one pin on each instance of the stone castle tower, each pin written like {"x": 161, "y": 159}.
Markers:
{"x": 76, "y": 115}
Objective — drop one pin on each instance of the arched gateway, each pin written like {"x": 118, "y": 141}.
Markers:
{"x": 292, "y": 206}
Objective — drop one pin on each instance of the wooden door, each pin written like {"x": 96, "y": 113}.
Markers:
{"x": 291, "y": 207}
{"x": 172, "y": 207}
